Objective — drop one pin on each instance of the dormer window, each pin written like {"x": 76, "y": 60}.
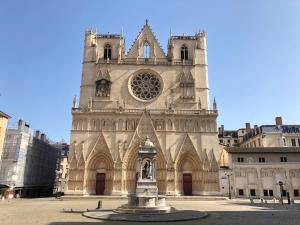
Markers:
{"x": 146, "y": 50}
{"x": 107, "y": 51}
{"x": 184, "y": 53}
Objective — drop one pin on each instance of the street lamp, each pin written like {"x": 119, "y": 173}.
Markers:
{"x": 228, "y": 174}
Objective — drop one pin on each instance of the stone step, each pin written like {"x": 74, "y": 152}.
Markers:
{"x": 168, "y": 198}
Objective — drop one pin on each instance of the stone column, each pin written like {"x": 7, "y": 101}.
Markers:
{"x": 154, "y": 168}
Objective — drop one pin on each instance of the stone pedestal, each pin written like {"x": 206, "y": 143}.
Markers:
{"x": 146, "y": 198}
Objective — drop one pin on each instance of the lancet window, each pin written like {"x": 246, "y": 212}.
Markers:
{"x": 107, "y": 51}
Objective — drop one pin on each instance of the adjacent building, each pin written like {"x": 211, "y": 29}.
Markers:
{"x": 3, "y": 125}
{"x": 257, "y": 172}
{"x": 62, "y": 167}
{"x": 277, "y": 135}
{"x": 126, "y": 97}
{"x": 28, "y": 162}
{"x": 260, "y": 159}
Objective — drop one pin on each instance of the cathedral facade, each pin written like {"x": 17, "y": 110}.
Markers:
{"x": 144, "y": 93}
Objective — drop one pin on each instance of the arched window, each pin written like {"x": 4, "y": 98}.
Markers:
{"x": 107, "y": 52}
{"x": 184, "y": 53}
{"x": 146, "y": 50}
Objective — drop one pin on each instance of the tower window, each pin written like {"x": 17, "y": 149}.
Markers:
{"x": 107, "y": 52}
{"x": 146, "y": 50}
{"x": 184, "y": 53}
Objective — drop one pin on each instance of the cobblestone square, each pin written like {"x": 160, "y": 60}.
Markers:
{"x": 50, "y": 211}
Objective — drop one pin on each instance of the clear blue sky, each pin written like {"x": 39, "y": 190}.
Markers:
{"x": 253, "y": 54}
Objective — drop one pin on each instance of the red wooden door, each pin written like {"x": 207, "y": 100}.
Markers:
{"x": 187, "y": 184}
{"x": 100, "y": 183}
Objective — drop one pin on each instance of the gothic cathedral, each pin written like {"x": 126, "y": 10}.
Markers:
{"x": 126, "y": 98}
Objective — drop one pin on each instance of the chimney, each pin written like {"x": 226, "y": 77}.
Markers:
{"x": 278, "y": 121}
{"x": 248, "y": 126}
{"x": 38, "y": 135}
{"x": 221, "y": 129}
{"x": 43, "y": 137}
{"x": 21, "y": 125}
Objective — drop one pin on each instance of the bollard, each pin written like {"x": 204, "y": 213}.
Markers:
{"x": 99, "y": 204}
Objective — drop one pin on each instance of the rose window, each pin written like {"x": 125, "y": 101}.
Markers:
{"x": 145, "y": 86}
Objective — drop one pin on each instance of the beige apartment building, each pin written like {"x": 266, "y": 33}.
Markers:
{"x": 278, "y": 135}
{"x": 261, "y": 158}
{"x": 257, "y": 172}
{"x": 126, "y": 96}
{"x": 3, "y": 126}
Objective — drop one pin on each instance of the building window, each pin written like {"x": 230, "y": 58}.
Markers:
{"x": 293, "y": 142}
{"x": 283, "y": 192}
{"x": 221, "y": 141}
{"x": 261, "y": 159}
{"x": 252, "y": 192}
{"x": 283, "y": 159}
{"x": 228, "y": 141}
{"x": 241, "y": 192}
{"x": 235, "y": 141}
{"x": 240, "y": 159}
{"x": 268, "y": 193}
{"x": 284, "y": 141}
{"x": 146, "y": 50}
{"x": 184, "y": 53}
{"x": 259, "y": 143}
{"x": 145, "y": 86}
{"x": 107, "y": 52}
{"x": 299, "y": 142}
{"x": 296, "y": 192}
{"x": 271, "y": 193}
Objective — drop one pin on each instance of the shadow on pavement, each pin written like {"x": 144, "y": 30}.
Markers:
{"x": 276, "y": 217}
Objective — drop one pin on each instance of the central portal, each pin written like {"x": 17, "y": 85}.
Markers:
{"x": 100, "y": 183}
{"x": 146, "y": 198}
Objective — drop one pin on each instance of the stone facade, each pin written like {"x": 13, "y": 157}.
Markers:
{"x": 125, "y": 98}
{"x": 256, "y": 172}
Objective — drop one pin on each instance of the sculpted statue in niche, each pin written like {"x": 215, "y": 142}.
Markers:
{"x": 147, "y": 169}
{"x": 103, "y": 84}
{"x": 103, "y": 88}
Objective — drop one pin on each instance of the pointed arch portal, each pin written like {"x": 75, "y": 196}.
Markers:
{"x": 130, "y": 170}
